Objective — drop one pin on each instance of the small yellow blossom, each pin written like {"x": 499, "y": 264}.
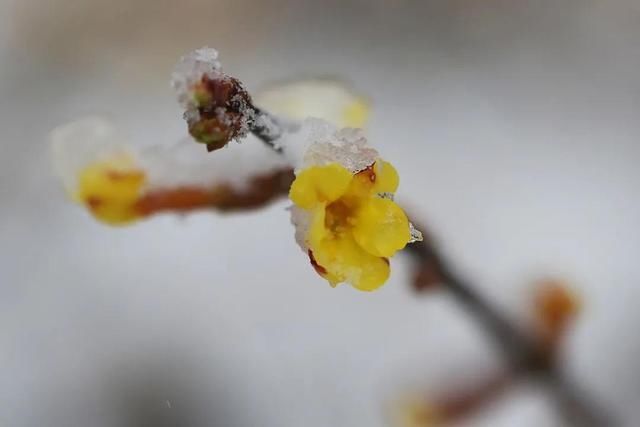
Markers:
{"x": 356, "y": 114}
{"x": 354, "y": 227}
{"x": 414, "y": 412}
{"x": 556, "y": 307}
{"x": 323, "y": 98}
{"x": 110, "y": 190}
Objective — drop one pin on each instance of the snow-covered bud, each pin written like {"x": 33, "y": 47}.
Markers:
{"x": 218, "y": 109}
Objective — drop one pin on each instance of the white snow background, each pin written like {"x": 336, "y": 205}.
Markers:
{"x": 515, "y": 128}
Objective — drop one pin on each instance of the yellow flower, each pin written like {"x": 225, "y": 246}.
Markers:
{"x": 354, "y": 227}
{"x": 110, "y": 190}
{"x": 323, "y": 98}
{"x": 417, "y": 412}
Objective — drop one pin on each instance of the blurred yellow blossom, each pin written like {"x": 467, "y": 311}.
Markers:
{"x": 556, "y": 306}
{"x": 354, "y": 226}
{"x": 416, "y": 412}
{"x": 110, "y": 189}
{"x": 324, "y": 98}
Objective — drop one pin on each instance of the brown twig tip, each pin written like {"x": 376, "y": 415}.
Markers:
{"x": 454, "y": 404}
{"x": 555, "y": 307}
{"x": 428, "y": 271}
{"x": 223, "y": 111}
{"x": 217, "y": 107}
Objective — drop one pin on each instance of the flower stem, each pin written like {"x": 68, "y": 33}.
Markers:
{"x": 522, "y": 352}
{"x": 267, "y": 128}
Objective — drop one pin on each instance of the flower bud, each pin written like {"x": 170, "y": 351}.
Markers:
{"x": 217, "y": 106}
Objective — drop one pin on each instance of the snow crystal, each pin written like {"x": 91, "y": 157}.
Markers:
{"x": 295, "y": 142}
{"x": 191, "y": 115}
{"x": 268, "y": 126}
{"x": 348, "y": 147}
{"x": 77, "y": 144}
{"x": 416, "y": 235}
{"x": 301, "y": 220}
{"x": 247, "y": 118}
{"x": 186, "y": 164}
{"x": 317, "y": 143}
{"x": 189, "y": 71}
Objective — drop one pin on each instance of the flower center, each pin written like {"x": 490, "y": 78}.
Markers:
{"x": 339, "y": 216}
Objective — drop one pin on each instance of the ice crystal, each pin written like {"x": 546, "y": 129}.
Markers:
{"x": 76, "y": 144}
{"x": 348, "y": 147}
{"x": 301, "y": 220}
{"x": 416, "y": 235}
{"x": 316, "y": 142}
{"x": 270, "y": 127}
{"x": 189, "y": 71}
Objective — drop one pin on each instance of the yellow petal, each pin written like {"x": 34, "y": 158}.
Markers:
{"x": 361, "y": 187}
{"x": 355, "y": 114}
{"x": 381, "y": 227}
{"x": 381, "y": 177}
{"x": 320, "y": 184}
{"x": 317, "y": 236}
{"x": 317, "y": 232}
{"x": 344, "y": 261}
{"x": 416, "y": 411}
{"x": 110, "y": 190}
{"x": 372, "y": 273}
{"x": 387, "y": 178}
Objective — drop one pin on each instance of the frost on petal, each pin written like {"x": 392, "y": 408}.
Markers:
{"x": 317, "y": 143}
{"x": 347, "y": 146}
{"x": 189, "y": 71}
{"x": 416, "y": 235}
{"x": 301, "y": 220}
{"x": 77, "y": 144}
{"x": 324, "y": 98}
{"x": 297, "y": 141}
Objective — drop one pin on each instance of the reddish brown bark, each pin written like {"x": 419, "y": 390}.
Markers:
{"x": 260, "y": 191}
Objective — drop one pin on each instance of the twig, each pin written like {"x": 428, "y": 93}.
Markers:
{"x": 267, "y": 128}
{"x": 521, "y": 351}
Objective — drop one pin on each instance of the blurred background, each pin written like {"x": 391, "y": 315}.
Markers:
{"x": 514, "y": 125}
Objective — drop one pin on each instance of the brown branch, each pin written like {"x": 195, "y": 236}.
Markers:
{"x": 267, "y": 128}
{"x": 526, "y": 355}
{"x": 459, "y": 404}
{"x": 260, "y": 190}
